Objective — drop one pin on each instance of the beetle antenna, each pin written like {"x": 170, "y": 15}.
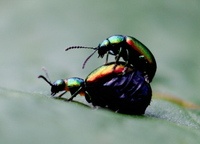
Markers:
{"x": 41, "y": 76}
{"x": 47, "y": 79}
{"x": 89, "y": 58}
{"x": 46, "y": 73}
{"x": 77, "y": 47}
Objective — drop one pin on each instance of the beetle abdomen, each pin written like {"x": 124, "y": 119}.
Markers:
{"x": 128, "y": 93}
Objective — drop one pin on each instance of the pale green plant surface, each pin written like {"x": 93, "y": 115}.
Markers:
{"x": 35, "y": 34}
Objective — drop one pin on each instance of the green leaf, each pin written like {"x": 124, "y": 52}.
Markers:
{"x": 35, "y": 118}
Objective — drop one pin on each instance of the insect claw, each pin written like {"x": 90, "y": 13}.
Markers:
{"x": 70, "y": 99}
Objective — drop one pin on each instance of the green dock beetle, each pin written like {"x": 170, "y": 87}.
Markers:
{"x": 128, "y": 93}
{"x": 130, "y": 49}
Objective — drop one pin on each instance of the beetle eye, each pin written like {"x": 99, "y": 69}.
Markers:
{"x": 103, "y": 50}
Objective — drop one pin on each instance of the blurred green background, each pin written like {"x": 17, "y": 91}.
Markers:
{"x": 35, "y": 33}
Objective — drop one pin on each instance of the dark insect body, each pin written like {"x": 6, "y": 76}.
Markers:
{"x": 130, "y": 49}
{"x": 127, "y": 93}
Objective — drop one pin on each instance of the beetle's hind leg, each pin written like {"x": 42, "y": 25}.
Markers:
{"x": 88, "y": 97}
{"x": 127, "y": 63}
{"x": 117, "y": 57}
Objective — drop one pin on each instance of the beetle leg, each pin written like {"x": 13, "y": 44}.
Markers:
{"x": 124, "y": 71}
{"x": 88, "y": 97}
{"x": 127, "y": 55}
{"x": 127, "y": 62}
{"x": 145, "y": 66}
{"x": 107, "y": 58}
{"x": 146, "y": 78}
{"x": 60, "y": 95}
{"x": 117, "y": 57}
{"x": 75, "y": 94}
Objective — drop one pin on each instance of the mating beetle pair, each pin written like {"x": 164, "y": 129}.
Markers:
{"x": 119, "y": 86}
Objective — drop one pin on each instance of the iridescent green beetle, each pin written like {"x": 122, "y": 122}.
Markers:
{"x": 127, "y": 93}
{"x": 130, "y": 49}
